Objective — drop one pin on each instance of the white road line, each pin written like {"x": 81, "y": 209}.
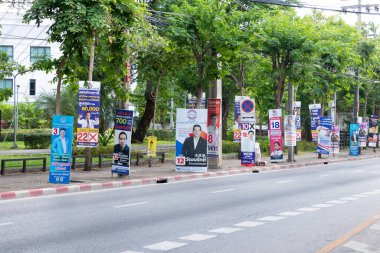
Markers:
{"x": 358, "y": 246}
{"x": 322, "y": 205}
{"x": 225, "y": 230}
{"x": 226, "y": 190}
{"x": 349, "y": 198}
{"x": 360, "y": 196}
{"x": 336, "y": 202}
{"x": 308, "y": 209}
{"x": 375, "y": 226}
{"x": 290, "y": 213}
{"x": 358, "y": 170}
{"x": 6, "y": 223}
{"x": 249, "y": 224}
{"x": 133, "y": 204}
{"x": 284, "y": 182}
{"x": 370, "y": 193}
{"x": 130, "y": 251}
{"x": 272, "y": 218}
{"x": 197, "y": 237}
{"x": 325, "y": 175}
{"x": 165, "y": 245}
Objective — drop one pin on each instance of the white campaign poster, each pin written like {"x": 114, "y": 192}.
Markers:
{"x": 290, "y": 131}
{"x": 191, "y": 140}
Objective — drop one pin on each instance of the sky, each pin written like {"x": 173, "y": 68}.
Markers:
{"x": 337, "y": 4}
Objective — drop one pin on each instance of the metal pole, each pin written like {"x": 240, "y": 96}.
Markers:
{"x": 357, "y": 71}
{"x": 15, "y": 113}
{"x": 291, "y": 112}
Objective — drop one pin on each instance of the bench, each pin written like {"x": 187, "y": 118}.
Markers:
{"x": 24, "y": 160}
{"x": 150, "y": 161}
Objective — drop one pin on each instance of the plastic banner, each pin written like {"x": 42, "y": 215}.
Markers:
{"x": 61, "y": 149}
{"x": 290, "y": 131}
{"x": 248, "y": 139}
{"x": 354, "y": 139}
{"x": 335, "y": 139}
{"x": 315, "y": 112}
{"x": 213, "y": 126}
{"x": 191, "y": 144}
{"x": 88, "y": 114}
{"x": 297, "y": 114}
{"x": 152, "y": 146}
{"x": 122, "y": 144}
{"x": 192, "y": 101}
{"x": 373, "y": 130}
{"x": 275, "y": 135}
{"x": 324, "y": 135}
{"x": 237, "y": 117}
{"x": 363, "y": 132}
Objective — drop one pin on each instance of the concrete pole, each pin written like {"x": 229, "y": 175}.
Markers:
{"x": 15, "y": 113}
{"x": 357, "y": 71}
{"x": 291, "y": 112}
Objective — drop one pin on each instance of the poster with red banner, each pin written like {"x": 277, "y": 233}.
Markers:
{"x": 213, "y": 127}
{"x": 275, "y": 135}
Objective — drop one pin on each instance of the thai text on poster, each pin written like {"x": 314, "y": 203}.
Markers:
{"x": 315, "y": 112}
{"x": 275, "y": 135}
{"x": 213, "y": 126}
{"x": 324, "y": 135}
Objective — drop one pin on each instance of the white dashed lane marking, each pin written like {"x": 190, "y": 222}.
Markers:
{"x": 325, "y": 175}
{"x": 225, "y": 230}
{"x": 165, "y": 245}
{"x": 361, "y": 247}
{"x": 249, "y": 224}
{"x": 226, "y": 190}
{"x": 129, "y": 251}
{"x": 336, "y": 202}
{"x": 6, "y": 223}
{"x": 376, "y": 226}
{"x": 370, "y": 193}
{"x": 308, "y": 209}
{"x": 284, "y": 182}
{"x": 290, "y": 213}
{"x": 272, "y": 218}
{"x": 349, "y": 198}
{"x": 322, "y": 205}
{"x": 197, "y": 237}
{"x": 133, "y": 204}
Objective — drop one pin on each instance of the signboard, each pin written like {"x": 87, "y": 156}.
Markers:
{"x": 354, "y": 139}
{"x": 297, "y": 114}
{"x": 237, "y": 117}
{"x": 88, "y": 114}
{"x": 191, "y": 140}
{"x": 152, "y": 146}
{"x": 373, "y": 130}
{"x": 324, "y": 135}
{"x": 315, "y": 112}
{"x": 213, "y": 127}
{"x": 290, "y": 131}
{"x": 363, "y": 132}
{"x": 275, "y": 135}
{"x": 248, "y": 139}
{"x": 247, "y": 110}
{"x": 122, "y": 144}
{"x": 192, "y": 101}
{"x": 61, "y": 149}
{"x": 335, "y": 139}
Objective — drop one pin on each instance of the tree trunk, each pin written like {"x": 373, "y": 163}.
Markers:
{"x": 155, "y": 103}
{"x": 323, "y": 105}
{"x": 59, "y": 84}
{"x": 226, "y": 105}
{"x": 88, "y": 160}
{"x": 147, "y": 117}
{"x": 279, "y": 88}
{"x": 199, "y": 90}
{"x": 365, "y": 105}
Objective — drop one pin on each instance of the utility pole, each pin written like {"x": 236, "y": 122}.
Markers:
{"x": 291, "y": 112}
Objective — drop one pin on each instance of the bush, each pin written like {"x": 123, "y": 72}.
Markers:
{"x": 230, "y": 147}
{"x": 163, "y": 135}
{"x": 37, "y": 140}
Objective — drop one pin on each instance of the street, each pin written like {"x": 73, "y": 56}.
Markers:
{"x": 296, "y": 211}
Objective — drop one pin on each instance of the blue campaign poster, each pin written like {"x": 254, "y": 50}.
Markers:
{"x": 61, "y": 149}
{"x": 354, "y": 139}
{"x": 324, "y": 135}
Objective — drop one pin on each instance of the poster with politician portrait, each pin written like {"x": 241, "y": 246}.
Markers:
{"x": 191, "y": 140}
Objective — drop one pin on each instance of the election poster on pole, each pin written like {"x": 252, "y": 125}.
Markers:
{"x": 191, "y": 140}
{"x": 213, "y": 126}
{"x": 297, "y": 114}
{"x": 122, "y": 144}
{"x": 237, "y": 117}
{"x": 315, "y": 112}
{"x": 335, "y": 138}
{"x": 61, "y": 149}
{"x": 324, "y": 135}
{"x": 248, "y": 135}
{"x": 373, "y": 130}
{"x": 88, "y": 114}
{"x": 354, "y": 139}
{"x": 290, "y": 131}
{"x": 275, "y": 135}
{"x": 363, "y": 132}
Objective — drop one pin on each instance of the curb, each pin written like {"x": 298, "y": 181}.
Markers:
{"x": 146, "y": 181}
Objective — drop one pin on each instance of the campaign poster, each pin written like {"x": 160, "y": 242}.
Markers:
{"x": 275, "y": 135}
{"x": 213, "y": 126}
{"x": 248, "y": 139}
{"x": 237, "y": 117}
{"x": 315, "y": 112}
{"x": 151, "y": 146}
{"x": 354, "y": 139}
{"x": 61, "y": 149}
{"x": 335, "y": 139}
{"x": 290, "y": 131}
{"x": 88, "y": 114}
{"x": 122, "y": 145}
{"x": 373, "y": 130}
{"x": 297, "y": 114}
{"x": 363, "y": 132}
{"x": 191, "y": 140}
{"x": 192, "y": 101}
{"x": 324, "y": 135}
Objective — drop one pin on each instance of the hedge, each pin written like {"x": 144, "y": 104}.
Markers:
{"x": 37, "y": 140}
{"x": 163, "y": 135}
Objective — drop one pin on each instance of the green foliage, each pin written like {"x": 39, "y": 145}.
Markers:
{"x": 230, "y": 147}
{"x": 105, "y": 137}
{"x": 163, "y": 135}
{"x": 37, "y": 140}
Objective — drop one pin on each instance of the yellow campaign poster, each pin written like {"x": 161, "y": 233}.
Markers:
{"x": 152, "y": 146}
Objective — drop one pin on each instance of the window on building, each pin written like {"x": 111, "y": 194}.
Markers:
{"x": 32, "y": 87}
{"x": 37, "y": 53}
{"x": 8, "y": 50}
{"x": 6, "y": 84}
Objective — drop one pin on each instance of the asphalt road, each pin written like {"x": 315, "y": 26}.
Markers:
{"x": 293, "y": 211}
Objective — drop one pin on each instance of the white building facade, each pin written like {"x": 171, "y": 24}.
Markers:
{"x": 25, "y": 44}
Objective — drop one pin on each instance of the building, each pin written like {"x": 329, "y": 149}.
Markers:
{"x": 25, "y": 43}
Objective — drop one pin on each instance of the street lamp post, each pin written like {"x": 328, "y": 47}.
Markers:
{"x": 15, "y": 109}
